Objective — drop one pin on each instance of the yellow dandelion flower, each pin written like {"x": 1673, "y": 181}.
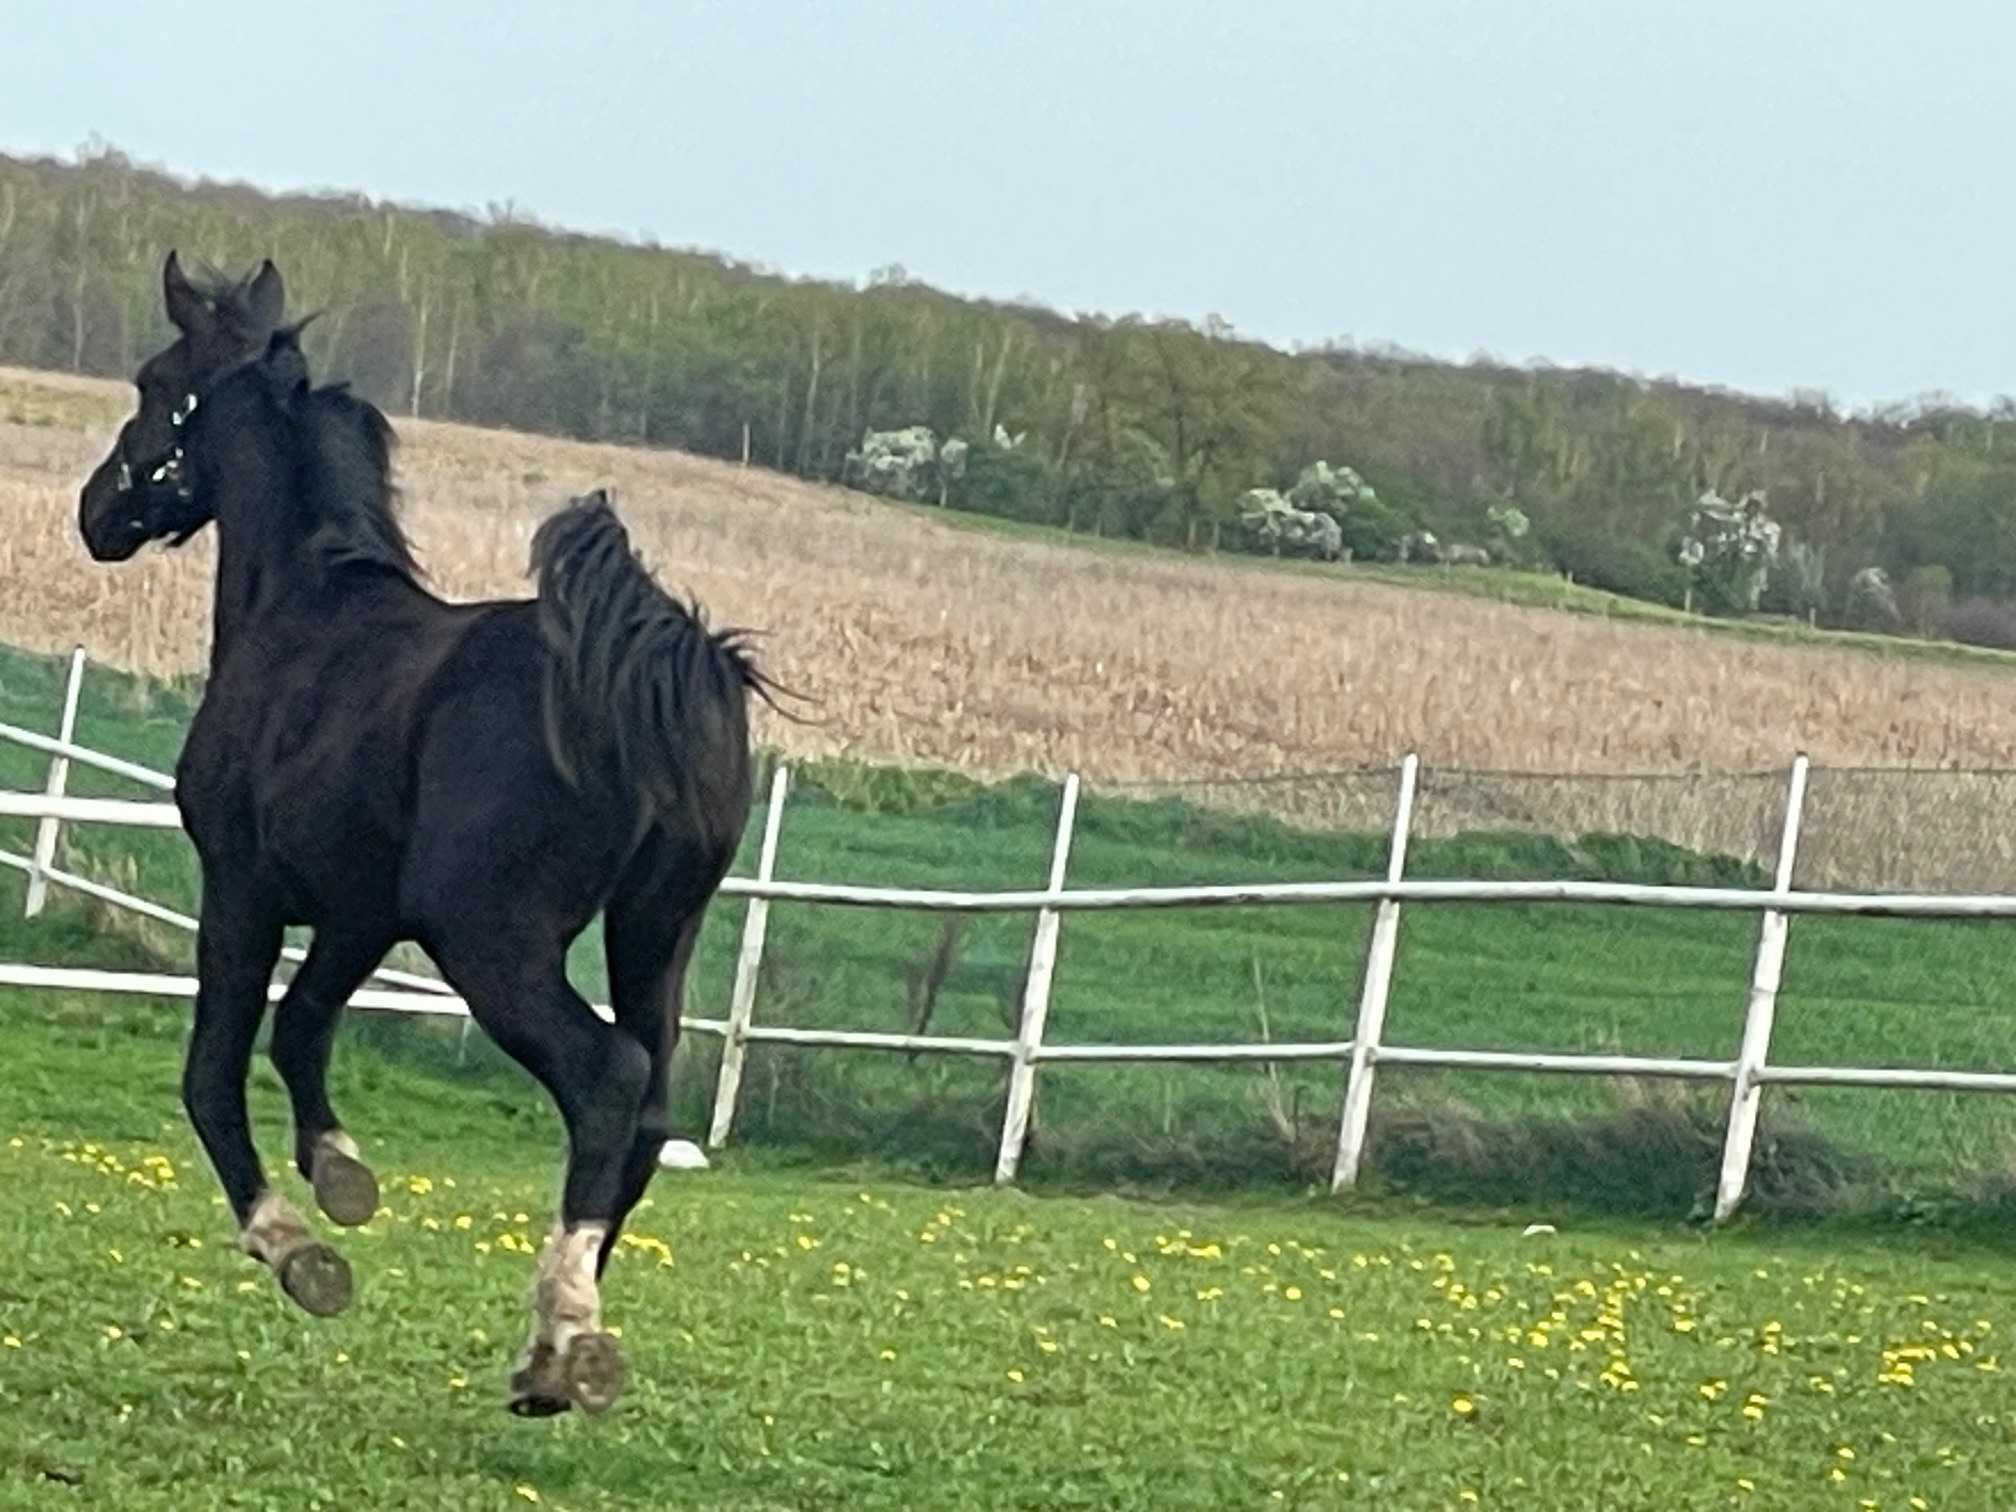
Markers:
{"x": 526, "y": 1492}
{"x": 1744, "y": 1483}
{"x": 888, "y": 1354}
{"x": 1844, "y": 1452}
{"x": 1293, "y": 1294}
{"x": 1106, "y": 1321}
{"x": 1015, "y": 1376}
{"x": 9, "y": 1341}
{"x": 1174, "y": 1325}
{"x": 1462, "y": 1406}
{"x": 1140, "y": 1283}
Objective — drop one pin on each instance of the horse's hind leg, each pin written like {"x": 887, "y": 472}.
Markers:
{"x": 648, "y": 959}
{"x": 304, "y": 1028}
{"x": 596, "y": 1074}
{"x": 237, "y": 946}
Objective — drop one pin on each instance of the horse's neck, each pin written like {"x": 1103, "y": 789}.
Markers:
{"x": 259, "y": 567}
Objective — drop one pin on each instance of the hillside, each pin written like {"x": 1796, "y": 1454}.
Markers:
{"x": 1128, "y": 427}
{"x": 926, "y": 644}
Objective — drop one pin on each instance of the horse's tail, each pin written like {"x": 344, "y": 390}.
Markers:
{"x": 637, "y": 688}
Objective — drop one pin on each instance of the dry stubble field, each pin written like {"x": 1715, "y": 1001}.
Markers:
{"x": 934, "y": 645}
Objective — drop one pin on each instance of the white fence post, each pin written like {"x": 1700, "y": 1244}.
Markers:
{"x": 1035, "y": 1001}
{"x": 59, "y": 779}
{"x": 742, "y": 1002}
{"x": 1372, "y": 994}
{"x": 1748, "y": 1091}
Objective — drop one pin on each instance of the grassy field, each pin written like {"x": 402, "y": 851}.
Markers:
{"x": 816, "y": 1340}
{"x": 1539, "y": 978}
{"x": 928, "y": 643}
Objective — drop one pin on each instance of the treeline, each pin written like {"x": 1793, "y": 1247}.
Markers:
{"x": 1134, "y": 427}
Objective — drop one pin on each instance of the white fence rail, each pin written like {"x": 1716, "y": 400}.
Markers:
{"x": 1359, "y": 1057}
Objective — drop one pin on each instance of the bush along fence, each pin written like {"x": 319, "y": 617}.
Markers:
{"x": 1358, "y": 1058}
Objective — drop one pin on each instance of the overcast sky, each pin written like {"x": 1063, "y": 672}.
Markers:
{"x": 1746, "y": 192}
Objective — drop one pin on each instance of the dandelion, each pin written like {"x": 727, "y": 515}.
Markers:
{"x": 890, "y": 1354}
{"x": 1174, "y": 1325}
{"x": 1015, "y": 1376}
{"x": 1140, "y": 1283}
{"x": 1463, "y": 1406}
{"x": 526, "y": 1492}
{"x": 1106, "y": 1321}
{"x": 1745, "y": 1484}
{"x": 9, "y": 1341}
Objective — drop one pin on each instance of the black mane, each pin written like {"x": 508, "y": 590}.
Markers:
{"x": 348, "y": 483}
{"x": 340, "y": 457}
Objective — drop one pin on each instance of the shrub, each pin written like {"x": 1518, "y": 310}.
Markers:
{"x": 1619, "y": 566}
{"x": 1983, "y": 622}
{"x": 1011, "y": 484}
{"x": 1926, "y": 599}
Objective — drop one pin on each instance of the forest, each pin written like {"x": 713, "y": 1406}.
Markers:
{"x": 1901, "y": 518}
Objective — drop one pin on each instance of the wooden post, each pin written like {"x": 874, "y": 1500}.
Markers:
{"x": 1035, "y": 1001}
{"x": 59, "y": 778}
{"x": 1373, "y": 993}
{"x": 1765, "y": 976}
{"x": 742, "y": 1003}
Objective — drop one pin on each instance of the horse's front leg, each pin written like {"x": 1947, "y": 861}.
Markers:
{"x": 237, "y": 945}
{"x": 304, "y": 1028}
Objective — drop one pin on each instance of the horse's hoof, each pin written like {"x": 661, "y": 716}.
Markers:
{"x": 594, "y": 1371}
{"x": 538, "y": 1405}
{"x": 537, "y": 1387}
{"x": 344, "y": 1187}
{"x": 317, "y": 1278}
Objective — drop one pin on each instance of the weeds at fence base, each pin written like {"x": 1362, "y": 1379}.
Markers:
{"x": 1658, "y": 1153}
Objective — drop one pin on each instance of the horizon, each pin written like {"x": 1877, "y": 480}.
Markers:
{"x": 1704, "y": 194}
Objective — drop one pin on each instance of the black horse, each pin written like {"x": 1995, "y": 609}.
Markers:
{"x": 382, "y": 765}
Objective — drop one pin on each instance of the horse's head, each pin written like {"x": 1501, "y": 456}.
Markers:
{"x": 145, "y": 489}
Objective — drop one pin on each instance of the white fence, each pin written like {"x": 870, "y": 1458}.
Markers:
{"x": 1358, "y": 1058}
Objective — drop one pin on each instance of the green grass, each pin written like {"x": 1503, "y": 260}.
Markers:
{"x": 1653, "y": 982}
{"x": 835, "y": 1339}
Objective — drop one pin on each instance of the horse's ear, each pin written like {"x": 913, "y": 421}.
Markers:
{"x": 186, "y": 310}
{"x": 266, "y": 298}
